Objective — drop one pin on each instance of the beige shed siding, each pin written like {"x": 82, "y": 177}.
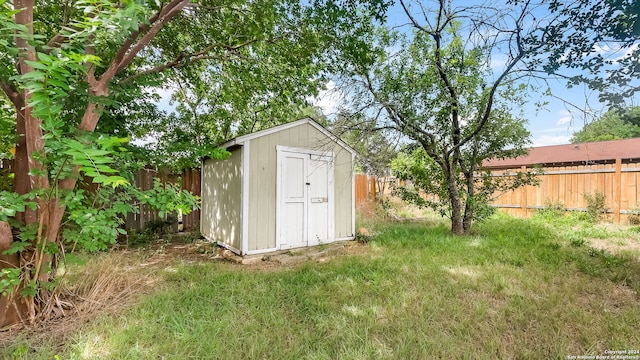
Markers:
{"x": 222, "y": 200}
{"x": 262, "y": 184}
{"x": 343, "y": 193}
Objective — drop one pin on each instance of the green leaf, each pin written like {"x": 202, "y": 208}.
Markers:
{"x": 31, "y": 289}
{"x": 37, "y": 65}
{"x": 16, "y": 247}
{"x": 45, "y": 58}
{"x": 33, "y": 75}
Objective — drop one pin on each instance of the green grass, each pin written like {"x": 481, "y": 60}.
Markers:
{"x": 515, "y": 289}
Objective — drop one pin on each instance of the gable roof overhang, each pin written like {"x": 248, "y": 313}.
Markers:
{"x": 241, "y": 140}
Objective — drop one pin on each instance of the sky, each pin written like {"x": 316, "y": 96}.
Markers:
{"x": 552, "y": 124}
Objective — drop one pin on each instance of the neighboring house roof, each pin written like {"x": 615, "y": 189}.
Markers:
{"x": 583, "y": 153}
{"x": 240, "y": 140}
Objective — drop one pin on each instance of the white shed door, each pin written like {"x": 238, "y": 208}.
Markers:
{"x": 318, "y": 210}
{"x": 294, "y": 201}
{"x": 305, "y": 199}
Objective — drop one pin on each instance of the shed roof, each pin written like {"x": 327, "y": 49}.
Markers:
{"x": 240, "y": 140}
{"x": 584, "y": 153}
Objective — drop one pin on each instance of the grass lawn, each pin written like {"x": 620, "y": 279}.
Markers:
{"x": 522, "y": 289}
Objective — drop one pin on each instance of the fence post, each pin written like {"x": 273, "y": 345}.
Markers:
{"x": 523, "y": 201}
{"x": 372, "y": 180}
{"x": 617, "y": 190}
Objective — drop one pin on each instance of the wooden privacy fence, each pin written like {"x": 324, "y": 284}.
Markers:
{"x": 144, "y": 181}
{"x": 566, "y": 185}
{"x": 191, "y": 181}
{"x": 561, "y": 185}
{"x": 365, "y": 188}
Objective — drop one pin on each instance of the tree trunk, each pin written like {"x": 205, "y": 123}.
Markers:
{"x": 468, "y": 207}
{"x": 454, "y": 199}
{"x": 21, "y": 184}
{"x": 11, "y": 307}
{"x": 468, "y": 219}
{"x": 30, "y": 142}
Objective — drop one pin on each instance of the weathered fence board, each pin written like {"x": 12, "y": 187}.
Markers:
{"x": 367, "y": 188}
{"x": 361, "y": 189}
{"x": 191, "y": 182}
{"x": 143, "y": 180}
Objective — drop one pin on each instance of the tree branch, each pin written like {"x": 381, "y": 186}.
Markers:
{"x": 181, "y": 60}
{"x": 130, "y": 48}
{"x": 494, "y": 88}
{"x": 12, "y": 93}
{"x": 165, "y": 17}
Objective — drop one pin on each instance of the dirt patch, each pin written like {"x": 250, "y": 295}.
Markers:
{"x": 163, "y": 255}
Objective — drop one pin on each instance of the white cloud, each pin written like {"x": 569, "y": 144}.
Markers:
{"x": 602, "y": 49}
{"x": 629, "y": 51}
{"x": 547, "y": 140}
{"x": 145, "y": 141}
{"x": 164, "y": 103}
{"x": 558, "y": 130}
{"x": 565, "y": 117}
{"x": 329, "y": 99}
{"x": 615, "y": 54}
{"x": 557, "y": 135}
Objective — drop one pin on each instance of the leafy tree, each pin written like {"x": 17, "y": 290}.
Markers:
{"x": 216, "y": 107}
{"x": 65, "y": 64}
{"x": 429, "y": 183}
{"x": 590, "y": 42}
{"x": 434, "y": 86}
{"x": 613, "y": 125}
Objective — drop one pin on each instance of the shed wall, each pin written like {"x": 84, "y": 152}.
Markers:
{"x": 222, "y": 200}
{"x": 262, "y": 183}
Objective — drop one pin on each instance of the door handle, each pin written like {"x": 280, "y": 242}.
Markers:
{"x": 308, "y": 183}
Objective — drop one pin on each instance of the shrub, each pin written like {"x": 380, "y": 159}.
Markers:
{"x": 596, "y": 205}
{"x": 161, "y": 227}
{"x": 551, "y": 210}
{"x": 138, "y": 238}
{"x": 363, "y": 236}
{"x": 634, "y": 216}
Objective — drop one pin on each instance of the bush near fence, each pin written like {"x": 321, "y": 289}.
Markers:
{"x": 143, "y": 180}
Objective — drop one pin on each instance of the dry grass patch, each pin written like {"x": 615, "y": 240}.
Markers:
{"x": 112, "y": 282}
{"x": 617, "y": 245}
{"x": 463, "y": 272}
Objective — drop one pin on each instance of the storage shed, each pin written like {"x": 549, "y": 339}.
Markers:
{"x": 284, "y": 187}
